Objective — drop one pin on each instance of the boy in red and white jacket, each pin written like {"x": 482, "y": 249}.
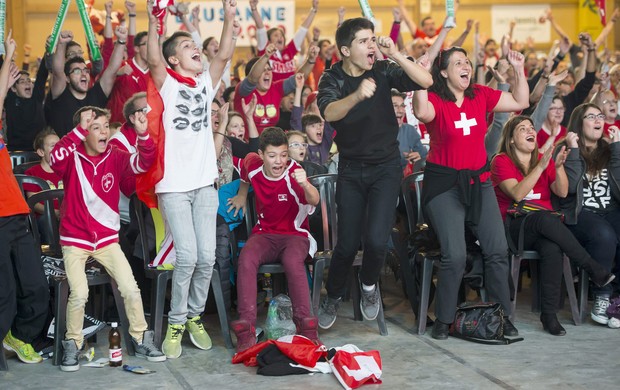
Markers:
{"x": 93, "y": 173}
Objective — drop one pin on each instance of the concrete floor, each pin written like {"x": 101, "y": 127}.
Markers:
{"x": 587, "y": 357}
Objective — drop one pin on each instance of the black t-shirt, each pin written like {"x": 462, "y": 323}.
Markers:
{"x": 64, "y": 106}
{"x": 24, "y": 117}
{"x": 368, "y": 132}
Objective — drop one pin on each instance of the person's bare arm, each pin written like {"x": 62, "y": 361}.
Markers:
{"x": 600, "y": 40}
{"x": 10, "y": 47}
{"x": 131, "y": 14}
{"x": 227, "y": 41}
{"x": 519, "y": 99}
{"x": 59, "y": 79}
{"x": 308, "y": 65}
{"x": 259, "y": 66}
{"x": 461, "y": 39}
{"x": 416, "y": 73}
{"x": 261, "y": 31}
{"x": 311, "y": 14}
{"x": 218, "y": 136}
{"x": 157, "y": 65}
{"x": 407, "y": 18}
{"x": 109, "y": 74}
{"x": 108, "y": 32}
{"x": 248, "y": 112}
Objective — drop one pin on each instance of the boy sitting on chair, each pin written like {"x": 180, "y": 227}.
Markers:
{"x": 94, "y": 173}
{"x": 284, "y": 199}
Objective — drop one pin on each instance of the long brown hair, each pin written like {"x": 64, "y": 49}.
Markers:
{"x": 598, "y": 157}
{"x": 508, "y": 148}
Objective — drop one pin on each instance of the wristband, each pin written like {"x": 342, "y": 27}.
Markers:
{"x": 132, "y": 15}
{"x": 310, "y": 62}
{"x": 121, "y": 42}
{"x": 395, "y": 22}
{"x": 217, "y": 132}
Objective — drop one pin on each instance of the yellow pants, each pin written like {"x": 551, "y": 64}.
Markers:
{"x": 112, "y": 258}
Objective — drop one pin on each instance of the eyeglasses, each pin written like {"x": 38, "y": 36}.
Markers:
{"x": 612, "y": 102}
{"x": 297, "y": 145}
{"x": 214, "y": 112}
{"x": 77, "y": 71}
{"x": 140, "y": 44}
{"x": 143, "y": 110}
{"x": 557, "y": 109}
{"x": 592, "y": 117}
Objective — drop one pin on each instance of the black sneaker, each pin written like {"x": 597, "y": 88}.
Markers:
{"x": 70, "y": 356}
{"x": 440, "y": 330}
{"x": 327, "y": 312}
{"x": 509, "y": 328}
{"x": 369, "y": 302}
{"x": 147, "y": 349}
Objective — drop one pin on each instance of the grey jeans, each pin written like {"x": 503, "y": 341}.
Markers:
{"x": 192, "y": 219}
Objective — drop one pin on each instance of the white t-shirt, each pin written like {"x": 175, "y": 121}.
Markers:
{"x": 189, "y": 159}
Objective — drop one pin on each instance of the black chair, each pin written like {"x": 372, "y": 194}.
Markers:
{"x": 61, "y": 285}
{"x": 415, "y": 218}
{"x": 326, "y": 184}
{"x": 21, "y": 156}
{"x": 3, "y": 364}
{"x": 160, "y": 280}
{"x": 25, "y": 179}
{"x": 22, "y": 168}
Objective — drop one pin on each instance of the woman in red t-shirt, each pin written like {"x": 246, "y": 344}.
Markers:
{"x": 520, "y": 173}
{"x": 553, "y": 122}
{"x": 456, "y": 185}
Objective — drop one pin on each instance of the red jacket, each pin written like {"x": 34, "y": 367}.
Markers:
{"x": 89, "y": 217}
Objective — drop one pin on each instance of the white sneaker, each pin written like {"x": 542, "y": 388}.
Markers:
{"x": 614, "y": 323}
{"x": 599, "y": 311}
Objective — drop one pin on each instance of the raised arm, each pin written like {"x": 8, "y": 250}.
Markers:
{"x": 308, "y": 65}
{"x": 408, "y": 21}
{"x": 310, "y": 191}
{"x": 59, "y": 79}
{"x": 109, "y": 74}
{"x": 157, "y": 65}
{"x": 218, "y": 136}
{"x": 461, "y": 39}
{"x": 248, "y": 112}
{"x": 259, "y": 66}
{"x": 519, "y": 99}
{"x": 600, "y": 40}
{"x": 416, "y": 73}
{"x": 433, "y": 51}
{"x": 422, "y": 108}
{"x": 227, "y": 41}
{"x": 297, "y": 109}
{"x": 131, "y": 14}
{"x": 10, "y": 47}
{"x": 261, "y": 31}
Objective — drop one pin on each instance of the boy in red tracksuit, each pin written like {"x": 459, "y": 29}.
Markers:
{"x": 93, "y": 173}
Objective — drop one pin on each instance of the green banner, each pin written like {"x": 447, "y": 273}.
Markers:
{"x": 95, "y": 53}
{"x": 60, "y": 20}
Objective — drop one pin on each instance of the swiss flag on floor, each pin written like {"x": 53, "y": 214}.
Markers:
{"x": 354, "y": 367}
{"x": 295, "y": 347}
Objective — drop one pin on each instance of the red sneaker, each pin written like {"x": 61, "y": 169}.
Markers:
{"x": 246, "y": 334}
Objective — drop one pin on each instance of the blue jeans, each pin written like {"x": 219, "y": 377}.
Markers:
{"x": 600, "y": 236}
{"x": 366, "y": 197}
{"x": 192, "y": 219}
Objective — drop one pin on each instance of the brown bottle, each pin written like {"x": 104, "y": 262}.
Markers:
{"x": 116, "y": 353}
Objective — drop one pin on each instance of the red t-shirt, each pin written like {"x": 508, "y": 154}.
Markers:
{"x": 281, "y": 203}
{"x": 267, "y": 111}
{"x": 542, "y": 136}
{"x": 126, "y": 86}
{"x": 502, "y": 168}
{"x": 457, "y": 133}
{"x": 54, "y": 181}
{"x": 283, "y": 65}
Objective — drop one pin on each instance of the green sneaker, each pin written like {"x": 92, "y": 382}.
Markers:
{"x": 24, "y": 351}
{"x": 197, "y": 333}
{"x": 171, "y": 346}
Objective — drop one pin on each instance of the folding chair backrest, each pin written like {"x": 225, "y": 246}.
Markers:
{"x": 139, "y": 212}
{"x": 22, "y": 168}
{"x": 21, "y": 156}
{"x": 251, "y": 218}
{"x": 50, "y": 221}
{"x": 412, "y": 186}
{"x": 326, "y": 184}
{"x": 25, "y": 179}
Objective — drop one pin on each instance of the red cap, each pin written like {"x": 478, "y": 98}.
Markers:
{"x": 310, "y": 99}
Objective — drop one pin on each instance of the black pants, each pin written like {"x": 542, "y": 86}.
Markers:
{"x": 547, "y": 235}
{"x": 369, "y": 190}
{"x": 24, "y": 292}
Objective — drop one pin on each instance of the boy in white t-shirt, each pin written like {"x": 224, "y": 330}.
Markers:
{"x": 187, "y": 197}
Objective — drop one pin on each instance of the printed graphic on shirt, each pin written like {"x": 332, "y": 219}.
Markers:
{"x": 107, "y": 182}
{"x": 190, "y": 110}
{"x": 465, "y": 124}
{"x": 532, "y": 196}
{"x": 597, "y": 192}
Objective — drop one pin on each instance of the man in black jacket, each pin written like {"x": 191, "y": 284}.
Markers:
{"x": 355, "y": 97}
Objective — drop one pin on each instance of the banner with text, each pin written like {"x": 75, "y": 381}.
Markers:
{"x": 526, "y": 17}
{"x": 274, "y": 14}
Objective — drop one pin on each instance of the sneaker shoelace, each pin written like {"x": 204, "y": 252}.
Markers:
{"x": 371, "y": 296}
{"x": 27, "y": 350}
{"x": 177, "y": 332}
{"x": 199, "y": 325}
{"x": 328, "y": 308}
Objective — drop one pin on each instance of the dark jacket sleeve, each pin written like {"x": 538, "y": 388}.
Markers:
{"x": 39, "y": 83}
{"x": 240, "y": 149}
{"x": 329, "y": 90}
{"x": 397, "y": 77}
{"x": 578, "y": 96}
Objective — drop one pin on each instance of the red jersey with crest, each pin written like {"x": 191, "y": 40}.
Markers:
{"x": 125, "y": 87}
{"x": 281, "y": 204}
{"x": 267, "y": 111}
{"x": 283, "y": 63}
{"x": 502, "y": 168}
{"x": 89, "y": 216}
{"x": 457, "y": 133}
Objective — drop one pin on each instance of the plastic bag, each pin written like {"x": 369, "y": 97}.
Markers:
{"x": 280, "y": 318}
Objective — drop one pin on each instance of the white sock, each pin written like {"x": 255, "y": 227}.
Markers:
{"x": 368, "y": 288}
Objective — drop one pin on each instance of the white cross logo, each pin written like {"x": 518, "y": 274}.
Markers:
{"x": 465, "y": 124}
{"x": 532, "y": 196}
